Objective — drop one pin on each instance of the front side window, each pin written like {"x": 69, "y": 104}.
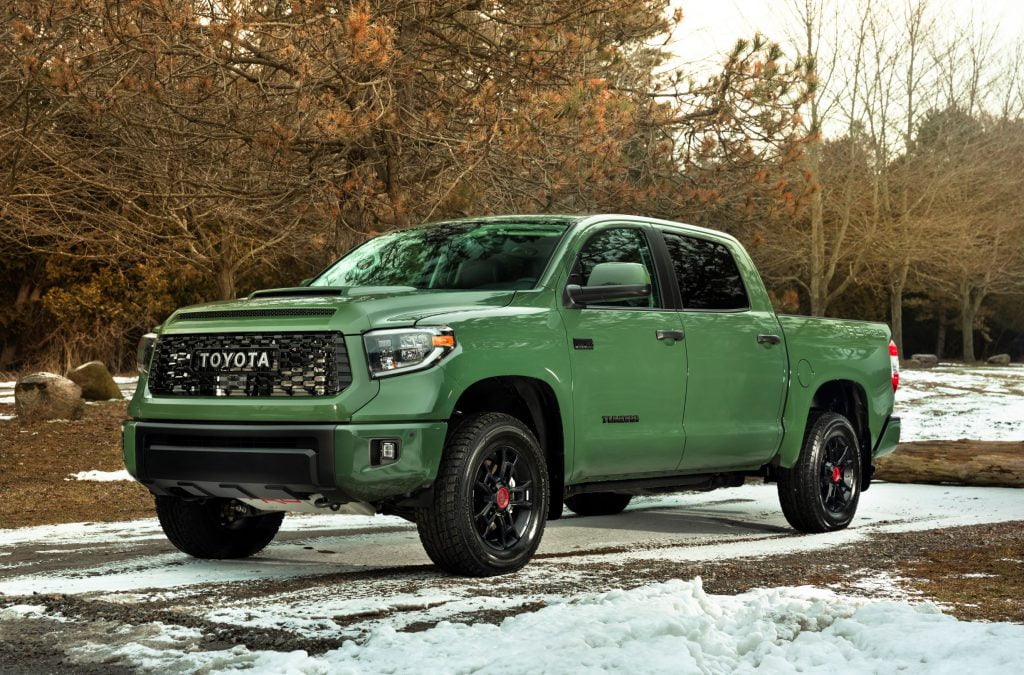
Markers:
{"x": 707, "y": 274}
{"x": 504, "y": 255}
{"x": 622, "y": 244}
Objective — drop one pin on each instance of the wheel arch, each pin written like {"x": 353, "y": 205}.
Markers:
{"x": 846, "y": 397}
{"x": 533, "y": 402}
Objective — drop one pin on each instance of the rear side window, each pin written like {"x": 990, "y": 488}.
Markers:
{"x": 707, "y": 273}
{"x": 623, "y": 244}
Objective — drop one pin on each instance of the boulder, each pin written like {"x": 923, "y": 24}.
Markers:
{"x": 47, "y": 396}
{"x": 923, "y": 361}
{"x": 999, "y": 360}
{"x": 96, "y": 382}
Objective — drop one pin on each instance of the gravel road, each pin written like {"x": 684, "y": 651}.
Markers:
{"x": 330, "y": 579}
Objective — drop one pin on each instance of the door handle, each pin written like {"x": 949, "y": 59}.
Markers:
{"x": 768, "y": 339}
{"x": 669, "y": 334}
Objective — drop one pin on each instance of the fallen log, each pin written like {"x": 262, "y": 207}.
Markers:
{"x": 988, "y": 463}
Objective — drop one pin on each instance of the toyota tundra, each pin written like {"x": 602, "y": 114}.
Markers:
{"x": 473, "y": 376}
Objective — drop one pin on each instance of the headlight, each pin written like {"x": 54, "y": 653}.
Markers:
{"x": 145, "y": 351}
{"x": 402, "y": 350}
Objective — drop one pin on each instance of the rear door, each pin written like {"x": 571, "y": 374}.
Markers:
{"x": 736, "y": 360}
{"x": 628, "y": 384}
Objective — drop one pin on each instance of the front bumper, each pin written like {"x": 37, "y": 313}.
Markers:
{"x": 281, "y": 461}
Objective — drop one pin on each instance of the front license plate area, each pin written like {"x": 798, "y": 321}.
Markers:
{"x": 234, "y": 362}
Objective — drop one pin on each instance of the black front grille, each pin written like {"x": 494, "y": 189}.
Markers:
{"x": 307, "y": 364}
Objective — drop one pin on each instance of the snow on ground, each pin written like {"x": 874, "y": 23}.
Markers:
{"x": 102, "y": 476}
{"x": 655, "y": 628}
{"x": 126, "y": 384}
{"x": 733, "y": 523}
{"x": 887, "y": 507}
{"x": 149, "y": 528}
{"x": 670, "y": 627}
{"x": 950, "y": 402}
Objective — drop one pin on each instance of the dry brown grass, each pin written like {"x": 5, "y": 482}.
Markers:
{"x": 36, "y": 459}
{"x": 982, "y": 578}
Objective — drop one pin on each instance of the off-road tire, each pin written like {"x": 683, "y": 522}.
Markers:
{"x": 803, "y": 489}
{"x": 598, "y": 503}
{"x": 449, "y": 526}
{"x": 200, "y": 529}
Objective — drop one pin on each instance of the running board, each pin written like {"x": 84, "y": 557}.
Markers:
{"x": 660, "y": 484}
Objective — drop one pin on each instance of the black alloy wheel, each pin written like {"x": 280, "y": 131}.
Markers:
{"x": 490, "y": 498}
{"x": 502, "y": 498}
{"x": 838, "y": 475}
{"x": 821, "y": 491}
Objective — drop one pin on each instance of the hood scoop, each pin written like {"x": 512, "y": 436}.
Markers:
{"x": 298, "y": 292}
{"x": 255, "y": 313}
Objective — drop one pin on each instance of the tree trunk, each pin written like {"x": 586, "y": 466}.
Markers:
{"x": 940, "y": 338}
{"x": 898, "y": 283}
{"x": 896, "y": 307}
{"x": 398, "y": 206}
{"x": 226, "y": 283}
{"x": 963, "y": 462}
{"x": 7, "y": 355}
{"x": 967, "y": 325}
{"x": 819, "y": 284}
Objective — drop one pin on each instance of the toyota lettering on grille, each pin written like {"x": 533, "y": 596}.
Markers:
{"x": 234, "y": 361}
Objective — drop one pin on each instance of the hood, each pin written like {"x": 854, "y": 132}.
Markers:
{"x": 349, "y": 310}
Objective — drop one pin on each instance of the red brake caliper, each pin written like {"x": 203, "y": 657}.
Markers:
{"x": 502, "y": 497}
{"x": 837, "y": 474}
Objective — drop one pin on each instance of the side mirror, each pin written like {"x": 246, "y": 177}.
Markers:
{"x": 610, "y": 282}
{"x": 305, "y": 282}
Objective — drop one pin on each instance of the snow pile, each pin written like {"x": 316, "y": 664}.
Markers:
{"x": 21, "y": 611}
{"x": 953, "y": 402}
{"x": 102, "y": 476}
{"x": 670, "y": 627}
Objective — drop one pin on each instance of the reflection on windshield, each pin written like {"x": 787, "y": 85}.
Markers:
{"x": 451, "y": 256}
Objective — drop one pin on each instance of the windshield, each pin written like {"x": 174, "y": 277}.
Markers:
{"x": 504, "y": 255}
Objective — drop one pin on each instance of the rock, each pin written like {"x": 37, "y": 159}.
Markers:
{"x": 95, "y": 381}
{"x": 47, "y": 396}
{"x": 922, "y": 361}
{"x": 999, "y": 360}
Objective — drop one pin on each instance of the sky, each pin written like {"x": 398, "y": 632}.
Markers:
{"x": 712, "y": 26}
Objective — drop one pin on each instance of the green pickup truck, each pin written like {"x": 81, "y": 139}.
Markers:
{"x": 472, "y": 376}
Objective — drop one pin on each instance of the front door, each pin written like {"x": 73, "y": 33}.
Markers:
{"x": 737, "y": 361}
{"x": 628, "y": 383}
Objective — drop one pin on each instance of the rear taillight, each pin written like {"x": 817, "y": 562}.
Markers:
{"x": 894, "y": 364}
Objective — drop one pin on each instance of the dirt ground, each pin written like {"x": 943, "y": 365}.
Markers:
{"x": 37, "y": 460}
{"x": 974, "y": 572}
{"x": 962, "y": 569}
